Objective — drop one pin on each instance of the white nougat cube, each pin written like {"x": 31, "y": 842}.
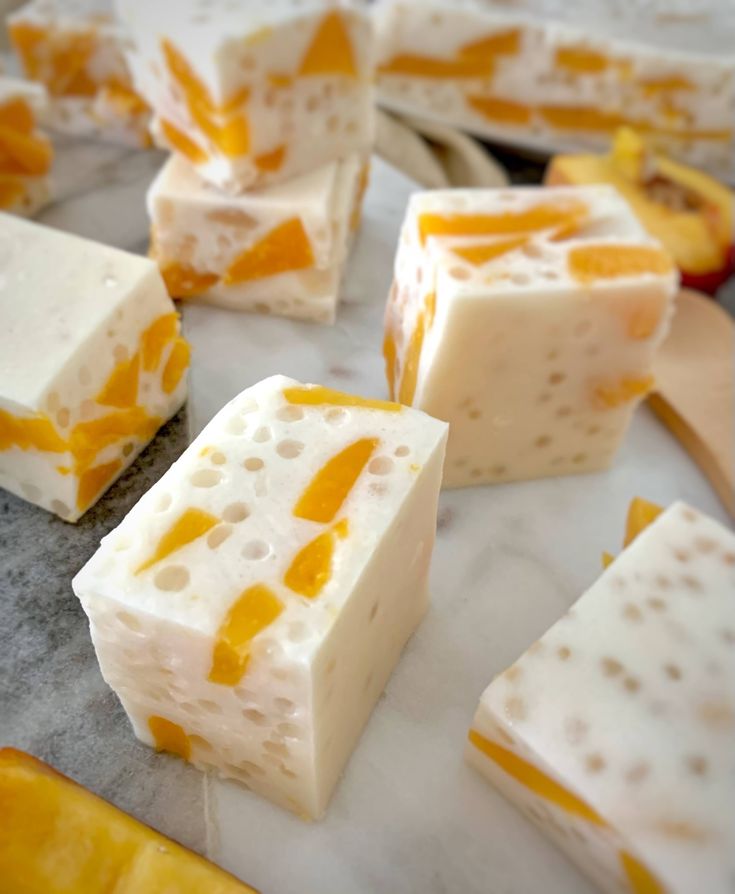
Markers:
{"x": 565, "y": 75}
{"x": 528, "y": 319}
{"x": 255, "y": 93}
{"x": 75, "y": 48}
{"x": 278, "y": 250}
{"x": 250, "y": 608}
{"x": 26, "y": 154}
{"x": 91, "y": 364}
{"x": 615, "y": 732}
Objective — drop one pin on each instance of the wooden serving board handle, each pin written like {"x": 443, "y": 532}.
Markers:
{"x": 695, "y": 388}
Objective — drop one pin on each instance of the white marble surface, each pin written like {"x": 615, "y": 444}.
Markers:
{"x": 409, "y": 816}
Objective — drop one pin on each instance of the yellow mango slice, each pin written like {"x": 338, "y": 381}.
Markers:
{"x": 122, "y": 96}
{"x": 607, "y": 560}
{"x": 12, "y": 190}
{"x": 534, "y": 779}
{"x": 176, "y": 365}
{"x": 255, "y": 609}
{"x": 502, "y": 43}
{"x": 330, "y": 51}
{"x": 479, "y": 254}
{"x": 188, "y": 527}
{"x": 169, "y": 736}
{"x": 155, "y": 338}
{"x": 541, "y": 217}
{"x": 390, "y": 356}
{"x": 666, "y": 84}
{"x": 271, "y": 161}
{"x": 25, "y": 153}
{"x": 430, "y": 307}
{"x": 311, "y": 569}
{"x": 629, "y": 388}
{"x": 411, "y": 361}
{"x": 30, "y": 433}
{"x": 184, "y": 75}
{"x": 581, "y": 60}
{"x": 641, "y": 514}
{"x": 27, "y": 41}
{"x": 93, "y": 481}
{"x": 418, "y": 66}
{"x": 592, "y": 262}
{"x": 640, "y": 879}
{"x": 320, "y": 396}
{"x": 580, "y": 118}
{"x": 285, "y": 248}
{"x": 180, "y": 142}
{"x": 87, "y": 439}
{"x": 185, "y": 281}
{"x": 503, "y": 111}
{"x": 16, "y": 114}
{"x": 121, "y": 388}
{"x": 59, "y": 838}
{"x": 330, "y": 487}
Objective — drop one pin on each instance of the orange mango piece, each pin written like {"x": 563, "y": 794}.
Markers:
{"x": 666, "y": 84}
{"x": 311, "y": 569}
{"x": 419, "y": 66}
{"x": 169, "y": 736}
{"x": 285, "y": 248}
{"x": 24, "y": 153}
{"x": 581, "y": 60}
{"x": 255, "y": 609}
{"x": 330, "y": 487}
{"x": 183, "y": 74}
{"x": 180, "y": 142}
{"x": 30, "y": 433}
{"x": 390, "y": 356}
{"x": 503, "y": 111}
{"x": 188, "y": 527}
{"x": 121, "y": 388}
{"x": 185, "y": 281}
{"x": 535, "y": 780}
{"x": 87, "y": 439}
{"x": 411, "y": 361}
{"x": 588, "y": 263}
{"x": 480, "y": 253}
{"x": 12, "y": 190}
{"x": 641, "y": 514}
{"x": 17, "y": 115}
{"x": 502, "y": 43}
{"x": 320, "y": 396}
{"x": 430, "y": 307}
{"x": 93, "y": 481}
{"x": 155, "y": 338}
{"x": 59, "y": 838}
{"x": 580, "y": 118}
{"x": 176, "y": 365}
{"x": 627, "y": 389}
{"x": 640, "y": 879}
{"x": 607, "y": 559}
{"x": 271, "y": 161}
{"x": 330, "y": 51}
{"x": 28, "y": 40}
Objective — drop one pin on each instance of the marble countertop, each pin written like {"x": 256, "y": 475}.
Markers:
{"x": 408, "y": 815}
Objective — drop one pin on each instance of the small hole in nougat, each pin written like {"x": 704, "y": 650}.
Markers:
{"x": 218, "y": 535}
{"x": 236, "y": 426}
{"x": 337, "y": 416}
{"x": 262, "y": 435}
{"x": 236, "y": 512}
{"x": 209, "y": 706}
{"x": 129, "y": 621}
{"x": 206, "y": 478}
{"x": 403, "y": 450}
{"x": 290, "y": 414}
{"x": 172, "y": 578}
{"x": 380, "y": 465}
{"x": 289, "y": 449}
{"x": 284, "y": 706}
{"x": 256, "y": 550}
{"x": 218, "y": 458}
{"x": 255, "y": 716}
{"x": 298, "y": 632}
{"x": 289, "y": 730}
{"x": 253, "y": 463}
{"x": 164, "y": 502}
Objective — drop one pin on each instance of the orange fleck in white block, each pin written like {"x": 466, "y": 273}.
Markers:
{"x": 528, "y": 319}
{"x": 26, "y": 154}
{"x": 251, "y": 607}
{"x": 255, "y": 93}
{"x": 615, "y": 732}
{"x": 91, "y": 364}
{"x": 565, "y": 75}
{"x": 277, "y": 250}
{"x": 75, "y": 48}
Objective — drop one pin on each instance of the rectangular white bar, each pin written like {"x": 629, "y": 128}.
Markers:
{"x": 528, "y": 319}
{"x": 255, "y": 93}
{"x": 251, "y": 607}
{"x": 91, "y": 364}
{"x": 26, "y": 154}
{"x": 615, "y": 732}
{"x": 565, "y": 76}
{"x": 277, "y": 250}
{"x": 75, "y": 48}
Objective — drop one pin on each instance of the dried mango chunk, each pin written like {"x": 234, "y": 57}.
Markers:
{"x": 283, "y": 249}
{"x": 188, "y": 527}
{"x": 330, "y": 51}
{"x": 330, "y": 487}
{"x": 319, "y": 396}
{"x": 311, "y": 568}
{"x": 590, "y": 262}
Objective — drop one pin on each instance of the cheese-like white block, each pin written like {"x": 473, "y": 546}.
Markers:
{"x": 279, "y": 250}
{"x": 528, "y": 319}
{"x": 615, "y": 732}
{"x": 250, "y": 608}
{"x": 26, "y": 155}
{"x": 568, "y": 79}
{"x": 91, "y": 364}
{"x": 75, "y": 48}
{"x": 255, "y": 93}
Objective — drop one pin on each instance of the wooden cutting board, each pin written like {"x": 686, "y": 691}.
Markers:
{"x": 695, "y": 388}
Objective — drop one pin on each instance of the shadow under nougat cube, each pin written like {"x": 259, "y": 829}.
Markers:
{"x": 615, "y": 732}
{"x": 91, "y": 364}
{"x": 277, "y": 250}
{"x": 255, "y": 93}
{"x": 528, "y": 319}
{"x": 251, "y": 607}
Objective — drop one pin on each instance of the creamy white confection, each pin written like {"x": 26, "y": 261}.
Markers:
{"x": 280, "y": 249}
{"x": 250, "y": 608}
{"x": 75, "y": 48}
{"x": 528, "y": 319}
{"x": 26, "y": 154}
{"x": 255, "y": 93}
{"x": 615, "y": 732}
{"x": 566, "y": 75}
{"x": 91, "y": 364}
